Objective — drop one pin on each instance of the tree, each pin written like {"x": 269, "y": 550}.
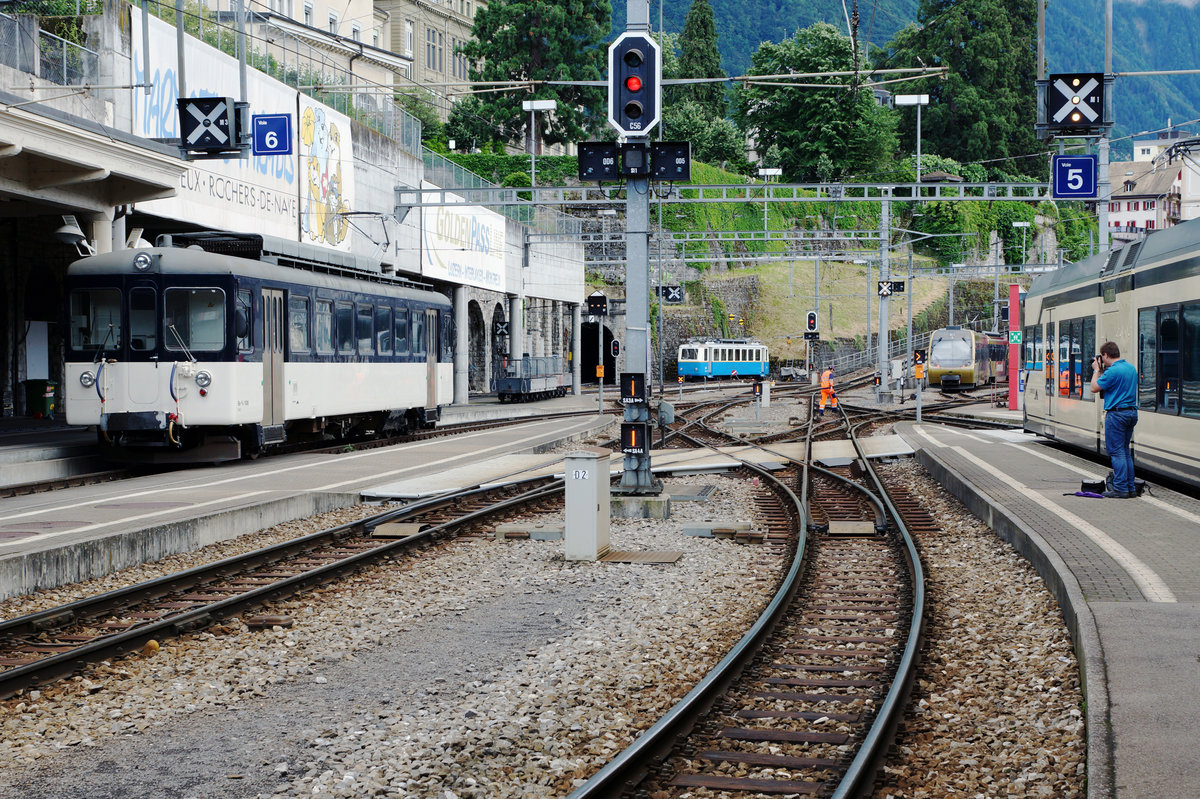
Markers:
{"x": 701, "y": 59}
{"x": 714, "y": 141}
{"x": 985, "y": 108}
{"x": 418, "y": 102}
{"x": 534, "y": 41}
{"x": 846, "y": 125}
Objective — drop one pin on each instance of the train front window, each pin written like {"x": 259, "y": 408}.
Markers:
{"x": 143, "y": 318}
{"x": 687, "y": 354}
{"x": 95, "y": 319}
{"x": 951, "y": 352}
{"x": 195, "y": 319}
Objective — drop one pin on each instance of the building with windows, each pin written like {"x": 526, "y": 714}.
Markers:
{"x": 429, "y": 32}
{"x": 1145, "y": 197}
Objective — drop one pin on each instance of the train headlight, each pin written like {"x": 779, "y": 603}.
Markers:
{"x": 142, "y": 261}
{"x": 203, "y": 379}
{"x": 87, "y": 380}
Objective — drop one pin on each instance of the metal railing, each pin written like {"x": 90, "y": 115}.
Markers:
{"x": 26, "y": 47}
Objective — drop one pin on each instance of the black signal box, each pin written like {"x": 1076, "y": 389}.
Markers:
{"x": 758, "y": 388}
{"x": 635, "y": 159}
{"x": 918, "y": 356}
{"x": 597, "y": 304}
{"x": 814, "y": 336}
{"x": 598, "y": 160}
{"x": 671, "y": 160}
{"x": 635, "y": 438}
{"x": 633, "y": 388}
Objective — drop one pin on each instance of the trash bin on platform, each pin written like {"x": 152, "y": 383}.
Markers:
{"x": 39, "y": 398}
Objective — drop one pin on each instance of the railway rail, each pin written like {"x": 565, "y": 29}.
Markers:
{"x": 53, "y": 643}
{"x": 808, "y": 701}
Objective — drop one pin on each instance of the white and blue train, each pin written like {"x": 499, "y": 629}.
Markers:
{"x": 729, "y": 357}
{"x": 212, "y": 347}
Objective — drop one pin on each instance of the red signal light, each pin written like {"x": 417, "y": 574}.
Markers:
{"x": 633, "y": 83}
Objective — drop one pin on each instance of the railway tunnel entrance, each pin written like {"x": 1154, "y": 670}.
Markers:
{"x": 595, "y": 347}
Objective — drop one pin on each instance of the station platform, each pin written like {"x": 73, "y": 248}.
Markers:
{"x": 77, "y": 533}
{"x": 1126, "y": 573}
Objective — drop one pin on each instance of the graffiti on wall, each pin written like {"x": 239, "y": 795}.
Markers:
{"x": 325, "y": 192}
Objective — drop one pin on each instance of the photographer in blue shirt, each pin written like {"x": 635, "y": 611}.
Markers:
{"x": 1117, "y": 378}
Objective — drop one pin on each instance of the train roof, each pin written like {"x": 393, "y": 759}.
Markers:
{"x": 1156, "y": 246}
{"x": 274, "y": 266}
{"x": 722, "y": 341}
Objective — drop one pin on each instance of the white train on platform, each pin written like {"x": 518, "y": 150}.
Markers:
{"x": 212, "y": 347}
{"x": 1145, "y": 297}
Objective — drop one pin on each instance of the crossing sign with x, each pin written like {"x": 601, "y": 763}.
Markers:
{"x": 205, "y": 122}
{"x": 1075, "y": 100}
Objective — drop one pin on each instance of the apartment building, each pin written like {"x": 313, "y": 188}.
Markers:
{"x": 429, "y": 33}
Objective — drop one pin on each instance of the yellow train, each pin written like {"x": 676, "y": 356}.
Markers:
{"x": 962, "y": 358}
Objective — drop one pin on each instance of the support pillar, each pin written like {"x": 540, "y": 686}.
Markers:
{"x": 576, "y": 349}
{"x": 462, "y": 353}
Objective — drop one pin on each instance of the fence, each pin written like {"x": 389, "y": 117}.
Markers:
{"x": 26, "y": 47}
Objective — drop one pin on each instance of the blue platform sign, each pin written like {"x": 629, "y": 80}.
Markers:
{"x": 1075, "y": 177}
{"x": 272, "y": 134}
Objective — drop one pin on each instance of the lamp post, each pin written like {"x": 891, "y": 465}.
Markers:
{"x": 533, "y": 106}
{"x": 918, "y": 100}
{"x": 1022, "y": 225}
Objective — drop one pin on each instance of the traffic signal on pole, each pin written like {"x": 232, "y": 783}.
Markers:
{"x": 810, "y": 324}
{"x": 616, "y": 347}
{"x": 634, "y": 85}
{"x": 918, "y": 356}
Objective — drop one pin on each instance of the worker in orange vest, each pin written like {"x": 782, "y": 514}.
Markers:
{"x": 1064, "y": 383}
{"x": 827, "y": 392}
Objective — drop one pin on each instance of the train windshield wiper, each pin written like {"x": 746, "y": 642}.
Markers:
{"x": 182, "y": 346}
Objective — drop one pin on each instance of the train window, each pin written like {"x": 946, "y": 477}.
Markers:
{"x": 195, "y": 319}
{"x": 1088, "y": 350}
{"x": 1064, "y": 359}
{"x": 1189, "y": 361}
{"x": 401, "y": 328}
{"x": 143, "y": 318}
{"x": 447, "y": 337}
{"x": 95, "y": 318}
{"x": 1168, "y": 361}
{"x": 687, "y": 354}
{"x": 323, "y": 326}
{"x": 951, "y": 351}
{"x": 364, "y": 329}
{"x": 1148, "y": 359}
{"x": 298, "y": 324}
{"x": 343, "y": 327}
{"x": 383, "y": 330}
{"x": 245, "y": 317}
{"x": 418, "y": 332}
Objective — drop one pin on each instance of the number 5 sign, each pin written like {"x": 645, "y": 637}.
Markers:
{"x": 1075, "y": 176}
{"x": 272, "y": 134}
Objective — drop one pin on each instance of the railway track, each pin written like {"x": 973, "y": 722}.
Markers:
{"x": 807, "y": 702}
{"x": 56, "y": 642}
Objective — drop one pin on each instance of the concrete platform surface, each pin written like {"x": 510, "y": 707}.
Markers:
{"x": 1126, "y": 573}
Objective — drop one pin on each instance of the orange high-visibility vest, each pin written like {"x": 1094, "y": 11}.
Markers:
{"x": 826, "y": 379}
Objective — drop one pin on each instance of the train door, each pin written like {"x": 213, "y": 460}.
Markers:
{"x": 433, "y": 340}
{"x": 274, "y": 320}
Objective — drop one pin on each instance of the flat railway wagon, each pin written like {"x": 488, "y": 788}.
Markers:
{"x": 1145, "y": 297}
{"x": 215, "y": 346}
{"x": 527, "y": 379}
{"x": 961, "y": 358}
{"x": 718, "y": 358}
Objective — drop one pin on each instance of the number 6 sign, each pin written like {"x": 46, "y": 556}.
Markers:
{"x": 272, "y": 134}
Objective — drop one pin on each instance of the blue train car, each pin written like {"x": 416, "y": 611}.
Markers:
{"x": 730, "y": 357}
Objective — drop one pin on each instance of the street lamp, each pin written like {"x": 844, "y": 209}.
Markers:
{"x": 918, "y": 100}
{"x": 1022, "y": 225}
{"x": 533, "y": 106}
{"x": 766, "y": 173}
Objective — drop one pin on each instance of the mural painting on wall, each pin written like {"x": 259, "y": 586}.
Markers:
{"x": 327, "y": 172}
